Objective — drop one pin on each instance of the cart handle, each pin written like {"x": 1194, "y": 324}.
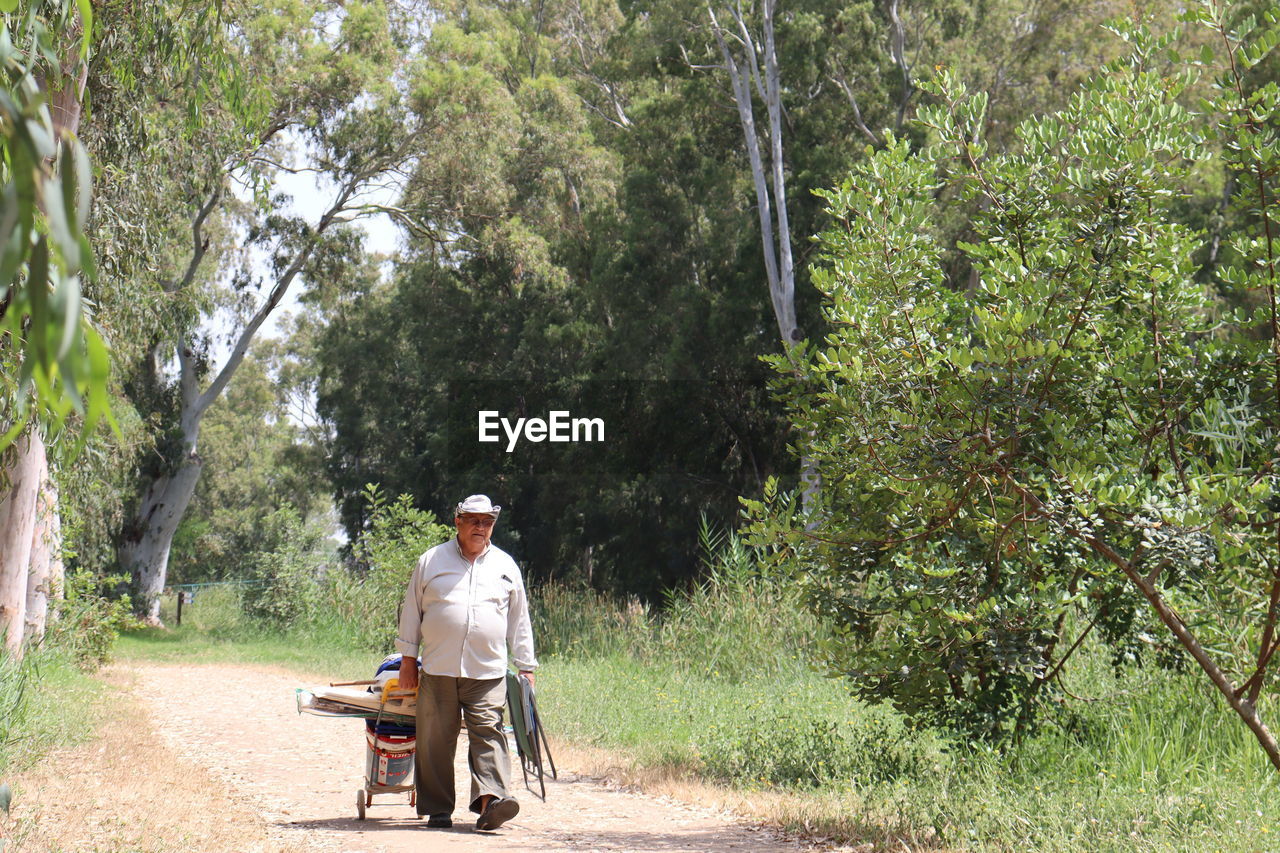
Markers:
{"x": 389, "y": 690}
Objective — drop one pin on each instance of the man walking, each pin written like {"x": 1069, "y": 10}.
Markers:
{"x": 464, "y": 607}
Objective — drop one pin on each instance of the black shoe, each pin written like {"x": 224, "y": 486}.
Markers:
{"x": 498, "y": 812}
{"x": 440, "y": 821}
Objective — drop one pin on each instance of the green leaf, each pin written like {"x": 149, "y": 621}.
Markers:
{"x": 84, "y": 182}
{"x": 37, "y": 289}
{"x": 59, "y": 227}
{"x": 16, "y": 430}
{"x": 67, "y": 300}
{"x": 8, "y": 6}
{"x": 86, "y": 15}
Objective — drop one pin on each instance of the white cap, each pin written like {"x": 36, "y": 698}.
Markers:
{"x": 477, "y": 504}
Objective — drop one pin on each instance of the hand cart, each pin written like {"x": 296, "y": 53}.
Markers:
{"x": 390, "y": 729}
{"x": 389, "y": 755}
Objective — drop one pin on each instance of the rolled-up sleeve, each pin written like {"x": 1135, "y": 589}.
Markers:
{"x": 520, "y": 631}
{"x": 409, "y": 636}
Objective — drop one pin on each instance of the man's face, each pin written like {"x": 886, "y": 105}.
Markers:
{"x": 474, "y": 531}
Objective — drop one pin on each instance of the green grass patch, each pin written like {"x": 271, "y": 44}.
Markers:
{"x": 1163, "y": 767}
{"x": 215, "y": 629}
{"x": 46, "y": 702}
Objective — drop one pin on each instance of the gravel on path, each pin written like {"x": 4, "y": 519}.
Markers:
{"x": 300, "y": 773}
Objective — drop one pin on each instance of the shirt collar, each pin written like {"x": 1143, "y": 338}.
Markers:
{"x": 457, "y": 546}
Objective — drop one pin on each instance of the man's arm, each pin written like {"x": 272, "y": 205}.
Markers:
{"x": 409, "y": 634}
{"x": 520, "y": 633}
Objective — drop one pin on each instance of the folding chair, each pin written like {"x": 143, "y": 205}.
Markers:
{"x": 531, "y": 740}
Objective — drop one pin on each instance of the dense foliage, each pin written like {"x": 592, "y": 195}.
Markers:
{"x": 1080, "y": 440}
{"x": 53, "y": 362}
{"x": 602, "y": 256}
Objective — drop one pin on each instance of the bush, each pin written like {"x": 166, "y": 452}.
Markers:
{"x": 358, "y": 607}
{"x": 397, "y": 535}
{"x": 287, "y": 570}
{"x": 86, "y": 622}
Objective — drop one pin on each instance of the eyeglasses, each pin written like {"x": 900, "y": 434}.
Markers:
{"x": 483, "y": 521}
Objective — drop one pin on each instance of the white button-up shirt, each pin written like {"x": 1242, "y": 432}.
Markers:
{"x": 462, "y": 616}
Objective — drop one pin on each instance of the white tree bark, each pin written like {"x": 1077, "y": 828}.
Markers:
{"x": 771, "y": 200}
{"x": 19, "y": 485}
{"x": 57, "y": 570}
{"x": 770, "y": 184}
{"x": 40, "y": 565}
{"x": 144, "y": 551}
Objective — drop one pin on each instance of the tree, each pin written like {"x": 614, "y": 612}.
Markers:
{"x": 53, "y": 364}
{"x": 1083, "y": 439}
{"x": 341, "y": 95}
{"x": 746, "y": 74}
{"x": 256, "y": 460}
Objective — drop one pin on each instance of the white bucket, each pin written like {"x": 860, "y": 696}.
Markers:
{"x": 389, "y": 759}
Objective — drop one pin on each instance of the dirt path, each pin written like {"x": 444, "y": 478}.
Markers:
{"x": 239, "y": 769}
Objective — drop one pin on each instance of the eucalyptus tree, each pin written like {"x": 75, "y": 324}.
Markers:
{"x": 336, "y": 78}
{"x": 53, "y": 363}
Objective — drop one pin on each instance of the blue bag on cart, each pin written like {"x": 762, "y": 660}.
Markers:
{"x": 388, "y": 669}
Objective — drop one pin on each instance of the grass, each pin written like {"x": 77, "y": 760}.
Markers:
{"x": 45, "y": 701}
{"x": 715, "y": 691}
{"x": 1165, "y": 769}
{"x": 215, "y": 630}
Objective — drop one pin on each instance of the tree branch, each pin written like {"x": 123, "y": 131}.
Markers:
{"x": 273, "y": 299}
{"x": 199, "y": 244}
{"x": 898, "y": 49}
{"x": 843, "y": 85}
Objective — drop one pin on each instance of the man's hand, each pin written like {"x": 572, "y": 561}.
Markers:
{"x": 408, "y": 673}
{"x": 528, "y": 673}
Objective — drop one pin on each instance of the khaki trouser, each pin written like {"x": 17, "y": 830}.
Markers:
{"x": 442, "y": 701}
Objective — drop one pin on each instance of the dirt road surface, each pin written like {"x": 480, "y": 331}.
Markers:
{"x": 216, "y": 757}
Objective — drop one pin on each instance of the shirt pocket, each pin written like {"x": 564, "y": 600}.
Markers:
{"x": 496, "y": 592}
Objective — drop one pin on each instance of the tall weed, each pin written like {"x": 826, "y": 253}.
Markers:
{"x": 735, "y": 623}
{"x": 577, "y": 621}
{"x": 731, "y": 624}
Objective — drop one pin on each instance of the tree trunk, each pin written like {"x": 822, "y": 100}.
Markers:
{"x": 24, "y": 471}
{"x": 40, "y": 564}
{"x": 771, "y": 189}
{"x": 145, "y": 550}
{"x": 23, "y": 462}
{"x": 57, "y": 570}
{"x": 144, "y": 553}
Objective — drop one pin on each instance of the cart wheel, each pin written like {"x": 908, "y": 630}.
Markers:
{"x": 360, "y": 804}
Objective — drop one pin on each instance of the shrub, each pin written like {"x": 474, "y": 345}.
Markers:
{"x": 398, "y": 533}
{"x": 360, "y": 607}
{"x": 86, "y": 621}
{"x": 287, "y": 569}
